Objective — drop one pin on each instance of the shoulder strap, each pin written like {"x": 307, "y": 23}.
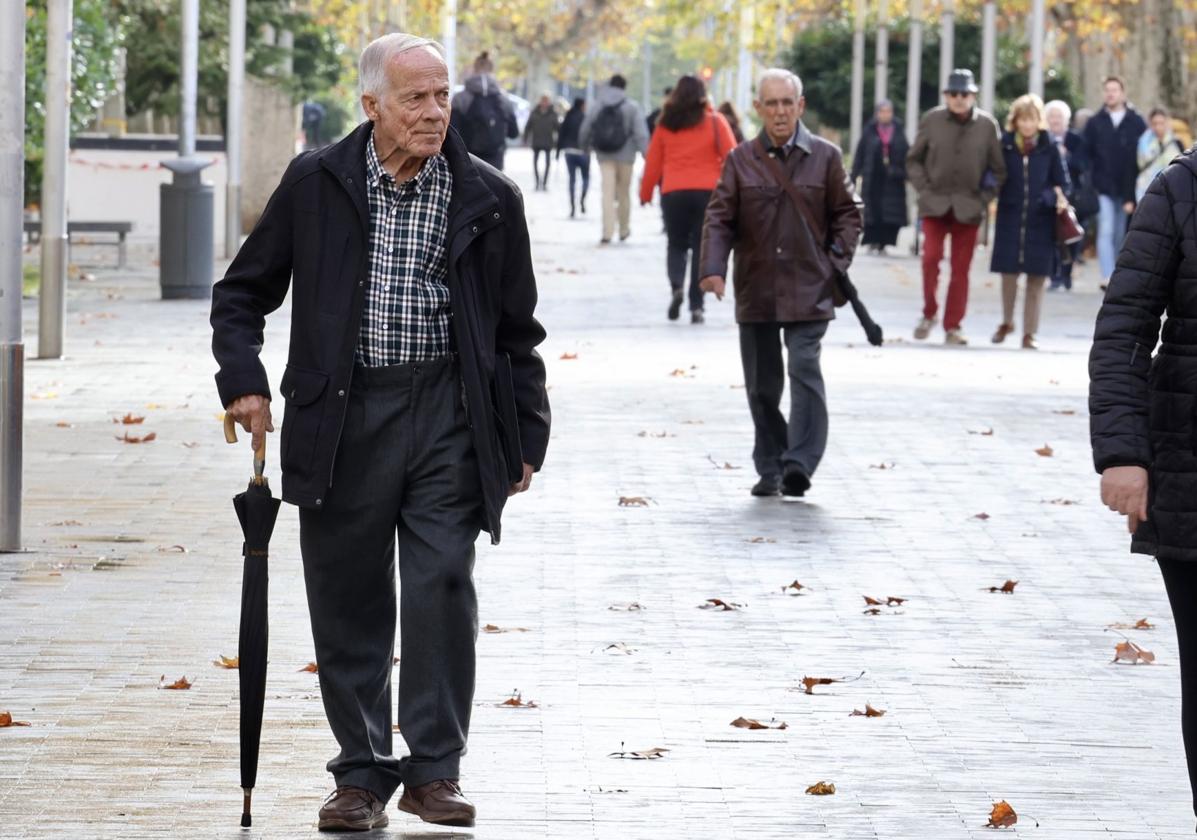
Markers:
{"x": 779, "y": 175}
{"x": 715, "y": 128}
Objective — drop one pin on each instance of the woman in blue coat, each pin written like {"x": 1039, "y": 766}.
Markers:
{"x": 1025, "y": 235}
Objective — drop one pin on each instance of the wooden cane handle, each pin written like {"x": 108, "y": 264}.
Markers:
{"x": 230, "y": 436}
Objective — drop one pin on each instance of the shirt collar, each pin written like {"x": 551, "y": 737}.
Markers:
{"x": 800, "y": 139}
{"x": 377, "y": 176}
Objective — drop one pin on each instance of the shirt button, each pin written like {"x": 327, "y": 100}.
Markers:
{"x": 340, "y": 393}
{"x": 475, "y": 228}
{"x": 384, "y": 325}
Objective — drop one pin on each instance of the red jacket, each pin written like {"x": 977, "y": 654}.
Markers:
{"x": 690, "y": 159}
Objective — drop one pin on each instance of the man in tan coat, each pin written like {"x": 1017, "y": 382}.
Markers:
{"x": 956, "y": 166}
{"x": 788, "y": 256}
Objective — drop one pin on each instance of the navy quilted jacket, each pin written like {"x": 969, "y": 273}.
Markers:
{"x": 1143, "y": 407}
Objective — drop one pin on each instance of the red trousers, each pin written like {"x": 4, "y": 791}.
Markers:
{"x": 964, "y": 242}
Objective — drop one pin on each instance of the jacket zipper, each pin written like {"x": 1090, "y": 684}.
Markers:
{"x": 1026, "y": 200}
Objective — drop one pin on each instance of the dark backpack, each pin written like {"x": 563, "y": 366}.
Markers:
{"x": 610, "y": 130}
{"x": 487, "y": 121}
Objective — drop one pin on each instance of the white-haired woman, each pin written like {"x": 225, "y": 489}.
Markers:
{"x": 1071, "y": 146}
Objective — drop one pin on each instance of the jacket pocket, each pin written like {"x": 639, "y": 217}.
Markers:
{"x": 301, "y": 389}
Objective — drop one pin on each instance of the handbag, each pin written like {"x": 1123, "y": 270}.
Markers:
{"x": 1068, "y": 228}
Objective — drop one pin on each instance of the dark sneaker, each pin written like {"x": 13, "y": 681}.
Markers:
{"x": 352, "y": 809}
{"x": 440, "y": 802}
{"x": 623, "y": 237}
{"x": 697, "y": 317}
{"x": 794, "y": 482}
{"x": 675, "y": 304}
{"x": 769, "y": 485}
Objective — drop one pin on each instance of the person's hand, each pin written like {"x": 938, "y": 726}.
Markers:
{"x": 1061, "y": 201}
{"x": 714, "y": 283}
{"x": 522, "y": 486}
{"x": 1124, "y": 490}
{"x": 1129, "y": 207}
{"x": 252, "y": 411}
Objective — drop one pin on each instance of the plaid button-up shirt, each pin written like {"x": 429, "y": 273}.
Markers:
{"x": 406, "y": 317}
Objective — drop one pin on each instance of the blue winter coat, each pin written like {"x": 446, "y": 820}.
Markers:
{"x": 1024, "y": 240}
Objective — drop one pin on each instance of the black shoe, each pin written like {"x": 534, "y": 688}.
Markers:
{"x": 697, "y": 317}
{"x": 583, "y": 205}
{"x": 604, "y": 241}
{"x": 623, "y": 237}
{"x": 769, "y": 485}
{"x": 675, "y": 305}
{"x": 794, "y": 481}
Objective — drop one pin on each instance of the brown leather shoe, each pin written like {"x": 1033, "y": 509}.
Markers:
{"x": 352, "y": 809}
{"x": 440, "y": 802}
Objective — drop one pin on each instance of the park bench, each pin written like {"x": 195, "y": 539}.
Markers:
{"x": 121, "y": 229}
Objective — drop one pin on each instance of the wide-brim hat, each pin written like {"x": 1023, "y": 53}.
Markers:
{"x": 960, "y": 81}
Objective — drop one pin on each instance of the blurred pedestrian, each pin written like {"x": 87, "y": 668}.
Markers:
{"x": 1071, "y": 148}
{"x": 541, "y": 134}
{"x": 1024, "y": 240}
{"x": 1112, "y": 138}
{"x": 956, "y": 165}
{"x": 390, "y": 438}
{"x": 785, "y": 206}
{"x": 577, "y": 159}
{"x": 685, "y": 157}
{"x": 880, "y": 163}
{"x": 483, "y": 115}
{"x": 616, "y": 130}
{"x": 733, "y": 119}
{"x": 655, "y": 113}
{"x": 1141, "y": 419}
{"x": 1157, "y": 147}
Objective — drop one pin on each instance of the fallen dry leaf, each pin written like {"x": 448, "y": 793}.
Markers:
{"x": 982, "y": 516}
{"x": 172, "y": 549}
{"x": 310, "y": 668}
{"x": 882, "y": 466}
{"x": 872, "y": 602}
{"x": 869, "y": 711}
{"x": 632, "y": 607}
{"x": 62, "y": 424}
{"x": 873, "y": 611}
{"x": 517, "y": 701}
{"x": 619, "y": 647}
{"x": 1130, "y": 652}
{"x": 1062, "y": 502}
{"x": 809, "y": 683}
{"x": 1007, "y": 587}
{"x": 1141, "y": 624}
{"x": 232, "y": 663}
{"x": 568, "y": 357}
{"x": 44, "y": 395}
{"x": 1002, "y": 816}
{"x": 1066, "y": 412}
{"x": 7, "y": 721}
{"x": 129, "y": 419}
{"x": 639, "y": 755}
{"x": 1045, "y": 451}
{"x": 678, "y": 372}
{"x": 128, "y": 438}
{"x": 821, "y": 789}
{"x": 751, "y": 723}
{"x": 720, "y": 604}
{"x": 634, "y": 501}
{"x": 761, "y": 540}
{"x": 982, "y": 432}
{"x": 181, "y": 684}
{"x": 894, "y": 601}
{"x": 796, "y": 586}
{"x": 494, "y": 628}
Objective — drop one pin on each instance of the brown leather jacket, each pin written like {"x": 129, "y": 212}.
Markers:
{"x": 782, "y": 274}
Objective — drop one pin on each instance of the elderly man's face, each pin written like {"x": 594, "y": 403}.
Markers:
{"x": 780, "y": 107}
{"x": 412, "y": 114}
{"x": 1057, "y": 123}
{"x": 960, "y": 103}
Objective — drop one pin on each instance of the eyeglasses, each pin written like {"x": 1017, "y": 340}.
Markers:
{"x": 956, "y": 94}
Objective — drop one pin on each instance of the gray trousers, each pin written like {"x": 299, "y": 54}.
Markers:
{"x": 804, "y": 439}
{"x": 405, "y": 468}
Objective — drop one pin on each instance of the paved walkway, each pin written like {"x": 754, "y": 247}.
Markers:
{"x": 134, "y": 573}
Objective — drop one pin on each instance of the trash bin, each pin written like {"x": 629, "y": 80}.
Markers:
{"x": 186, "y": 220}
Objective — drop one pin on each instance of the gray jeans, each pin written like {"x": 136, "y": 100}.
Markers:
{"x": 803, "y": 439}
{"x": 405, "y": 469}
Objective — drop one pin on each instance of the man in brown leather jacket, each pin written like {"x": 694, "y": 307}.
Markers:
{"x": 787, "y": 259}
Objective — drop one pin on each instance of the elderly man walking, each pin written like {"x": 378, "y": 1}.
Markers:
{"x": 785, "y": 206}
{"x": 956, "y": 166}
{"x": 415, "y": 405}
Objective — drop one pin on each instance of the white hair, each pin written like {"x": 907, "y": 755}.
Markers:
{"x": 780, "y": 74}
{"x": 372, "y": 66}
{"x": 1061, "y": 106}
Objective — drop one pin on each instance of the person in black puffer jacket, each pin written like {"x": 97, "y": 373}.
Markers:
{"x": 1143, "y": 408}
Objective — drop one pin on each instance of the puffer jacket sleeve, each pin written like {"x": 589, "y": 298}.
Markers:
{"x": 1128, "y": 326}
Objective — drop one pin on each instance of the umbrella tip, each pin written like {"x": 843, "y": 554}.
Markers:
{"x": 246, "y": 819}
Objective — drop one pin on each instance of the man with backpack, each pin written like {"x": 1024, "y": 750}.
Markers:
{"x": 616, "y": 130}
{"x": 483, "y": 115}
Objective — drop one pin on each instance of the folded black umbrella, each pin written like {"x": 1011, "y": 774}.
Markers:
{"x": 257, "y": 510}
{"x": 848, "y": 290}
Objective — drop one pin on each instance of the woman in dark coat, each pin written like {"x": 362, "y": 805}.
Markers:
{"x": 1142, "y": 421}
{"x": 1071, "y": 146}
{"x": 1024, "y": 240}
{"x": 577, "y": 159}
{"x": 881, "y": 160}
